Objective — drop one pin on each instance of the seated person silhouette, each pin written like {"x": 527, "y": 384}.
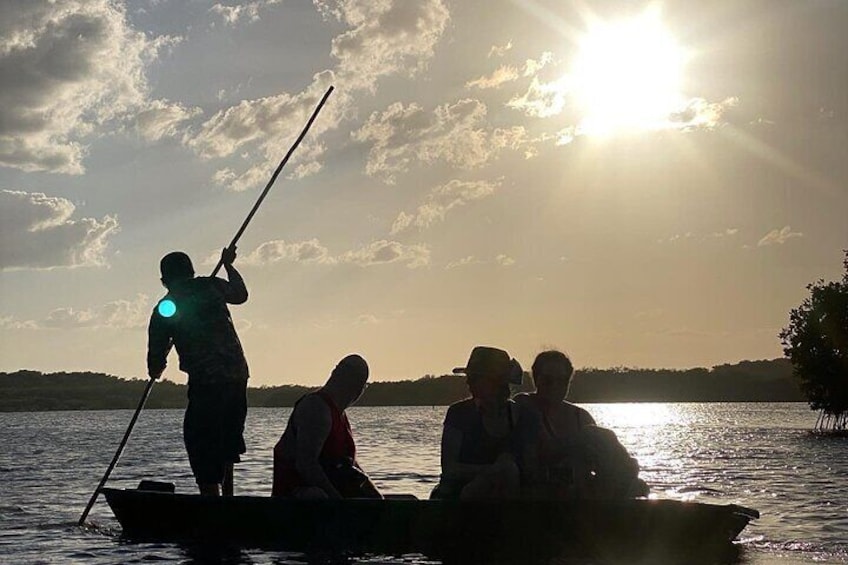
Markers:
{"x": 316, "y": 455}
{"x": 488, "y": 442}
{"x": 577, "y": 458}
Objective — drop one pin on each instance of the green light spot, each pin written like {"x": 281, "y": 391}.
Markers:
{"x": 167, "y": 308}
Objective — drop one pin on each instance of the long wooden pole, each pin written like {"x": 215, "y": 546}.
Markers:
{"x": 138, "y": 408}
{"x": 274, "y": 176}
{"x": 214, "y": 272}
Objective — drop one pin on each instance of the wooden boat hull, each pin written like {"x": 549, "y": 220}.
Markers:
{"x": 636, "y": 529}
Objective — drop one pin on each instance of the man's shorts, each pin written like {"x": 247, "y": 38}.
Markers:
{"x": 213, "y": 428}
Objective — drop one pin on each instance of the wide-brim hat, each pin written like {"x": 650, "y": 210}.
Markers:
{"x": 491, "y": 361}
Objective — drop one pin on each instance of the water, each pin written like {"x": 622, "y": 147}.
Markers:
{"x": 757, "y": 455}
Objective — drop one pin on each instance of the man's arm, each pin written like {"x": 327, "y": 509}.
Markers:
{"x": 235, "y": 291}
{"x": 158, "y": 345}
{"x": 313, "y": 420}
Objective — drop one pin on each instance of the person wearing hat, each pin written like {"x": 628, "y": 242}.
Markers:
{"x": 316, "y": 455}
{"x": 488, "y": 441}
{"x": 194, "y": 319}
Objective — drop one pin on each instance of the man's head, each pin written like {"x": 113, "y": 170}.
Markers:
{"x": 348, "y": 379}
{"x": 552, "y": 372}
{"x": 175, "y": 266}
{"x": 489, "y": 372}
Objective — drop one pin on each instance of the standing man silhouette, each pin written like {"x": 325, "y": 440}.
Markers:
{"x": 194, "y": 318}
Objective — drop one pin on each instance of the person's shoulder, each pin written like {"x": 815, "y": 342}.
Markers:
{"x": 463, "y": 405}
{"x": 584, "y": 415}
{"x": 525, "y": 410}
{"x": 310, "y": 407}
{"x": 460, "y": 411}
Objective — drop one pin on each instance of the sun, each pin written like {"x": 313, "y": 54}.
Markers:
{"x": 627, "y": 75}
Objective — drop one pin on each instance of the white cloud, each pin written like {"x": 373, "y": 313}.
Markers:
{"x": 37, "y": 232}
{"x": 67, "y": 68}
{"x": 10, "y": 323}
{"x": 778, "y": 236}
{"x": 161, "y": 119}
{"x": 501, "y": 259}
{"x": 441, "y": 200}
{"x": 541, "y": 100}
{"x": 280, "y": 116}
{"x": 510, "y": 73}
{"x": 689, "y": 236}
{"x": 312, "y": 251}
{"x": 500, "y": 50}
{"x": 500, "y": 76}
{"x": 249, "y": 12}
{"x": 468, "y": 260}
{"x": 268, "y": 126}
{"x": 366, "y": 319}
{"x": 701, "y": 114}
{"x": 118, "y": 314}
{"x": 278, "y": 251}
{"x": 453, "y": 133}
{"x": 385, "y": 37}
{"x": 383, "y": 252}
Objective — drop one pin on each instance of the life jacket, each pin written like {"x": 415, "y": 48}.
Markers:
{"x": 338, "y": 452}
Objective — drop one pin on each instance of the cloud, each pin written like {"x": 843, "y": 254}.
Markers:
{"x": 280, "y": 116}
{"x": 312, "y": 251}
{"x": 689, "y": 236}
{"x": 501, "y": 259}
{"x": 441, "y": 200}
{"x": 509, "y": 73}
{"x": 778, "y": 236}
{"x": 453, "y": 133}
{"x": 268, "y": 126}
{"x": 366, "y": 319}
{"x": 10, "y": 323}
{"x": 67, "y": 68}
{"x": 468, "y": 260}
{"x": 499, "y": 50}
{"x": 37, "y": 232}
{"x": 541, "y": 100}
{"x": 384, "y": 38}
{"x": 118, "y": 314}
{"x": 701, "y": 114}
{"x": 249, "y": 12}
{"x": 500, "y": 76}
{"x": 160, "y": 119}
{"x": 384, "y": 252}
{"x": 277, "y": 251}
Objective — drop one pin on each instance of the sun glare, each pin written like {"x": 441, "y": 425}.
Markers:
{"x": 627, "y": 76}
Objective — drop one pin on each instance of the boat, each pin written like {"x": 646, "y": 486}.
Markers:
{"x": 647, "y": 530}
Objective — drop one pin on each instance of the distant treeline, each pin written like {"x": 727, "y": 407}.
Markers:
{"x": 748, "y": 381}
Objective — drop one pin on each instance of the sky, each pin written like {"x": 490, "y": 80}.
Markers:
{"x": 638, "y": 184}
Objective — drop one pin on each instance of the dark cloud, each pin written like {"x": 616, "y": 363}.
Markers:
{"x": 37, "y": 232}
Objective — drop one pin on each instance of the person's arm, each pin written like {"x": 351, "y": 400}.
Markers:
{"x": 531, "y": 426}
{"x": 452, "y": 438}
{"x": 313, "y": 420}
{"x": 235, "y": 291}
{"x": 158, "y": 345}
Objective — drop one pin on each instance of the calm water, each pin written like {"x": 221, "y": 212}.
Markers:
{"x": 757, "y": 455}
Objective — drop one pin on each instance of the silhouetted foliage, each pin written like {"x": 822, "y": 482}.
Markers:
{"x": 816, "y": 341}
{"x": 766, "y": 381}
